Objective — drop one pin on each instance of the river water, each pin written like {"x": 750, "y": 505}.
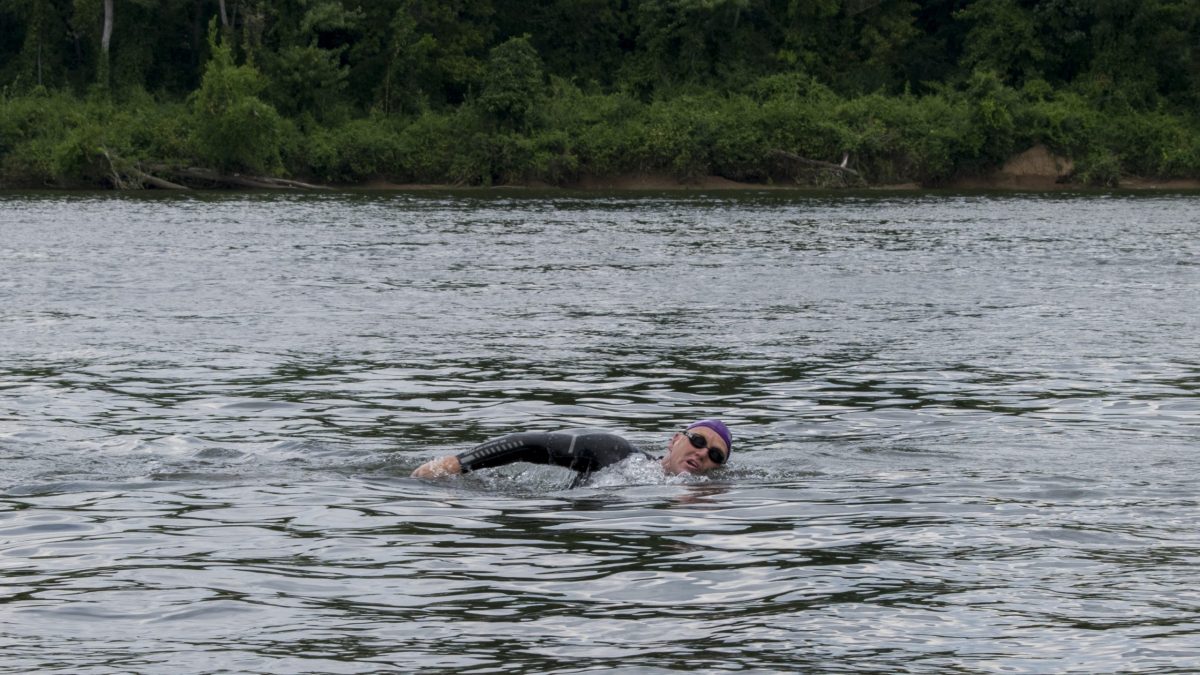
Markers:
{"x": 966, "y": 432}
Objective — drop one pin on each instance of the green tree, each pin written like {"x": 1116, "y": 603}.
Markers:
{"x": 992, "y": 105}
{"x": 304, "y": 57}
{"x": 1003, "y": 38}
{"x": 449, "y": 41}
{"x": 1145, "y": 50}
{"x": 152, "y": 44}
{"x": 1063, "y": 27}
{"x": 512, "y": 83}
{"x": 804, "y": 43}
{"x": 388, "y": 63}
{"x": 234, "y": 129}
{"x": 35, "y": 31}
{"x": 933, "y": 58}
{"x": 863, "y": 46}
{"x": 405, "y": 55}
{"x": 701, "y": 43}
{"x": 581, "y": 40}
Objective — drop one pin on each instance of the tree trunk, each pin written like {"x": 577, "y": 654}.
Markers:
{"x": 102, "y": 69}
{"x": 106, "y": 35}
{"x": 224, "y": 15}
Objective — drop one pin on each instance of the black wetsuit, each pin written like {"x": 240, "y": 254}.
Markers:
{"x": 583, "y": 450}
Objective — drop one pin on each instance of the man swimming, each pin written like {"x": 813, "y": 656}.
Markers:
{"x": 701, "y": 447}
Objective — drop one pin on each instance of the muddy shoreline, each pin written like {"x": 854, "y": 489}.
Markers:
{"x": 666, "y": 183}
{"x": 1035, "y": 170}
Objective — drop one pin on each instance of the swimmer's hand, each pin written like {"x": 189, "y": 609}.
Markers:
{"x": 437, "y": 468}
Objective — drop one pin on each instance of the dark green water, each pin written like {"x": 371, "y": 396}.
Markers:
{"x": 966, "y": 433}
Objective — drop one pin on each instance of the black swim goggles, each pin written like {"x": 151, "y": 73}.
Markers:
{"x": 701, "y": 442}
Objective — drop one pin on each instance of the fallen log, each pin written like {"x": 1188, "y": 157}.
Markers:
{"x": 117, "y": 177}
{"x": 161, "y": 183}
{"x": 154, "y": 181}
{"x": 816, "y": 163}
{"x": 209, "y": 176}
{"x": 128, "y": 176}
{"x": 814, "y": 171}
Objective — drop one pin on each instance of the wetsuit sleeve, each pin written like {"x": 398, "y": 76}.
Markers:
{"x": 582, "y": 451}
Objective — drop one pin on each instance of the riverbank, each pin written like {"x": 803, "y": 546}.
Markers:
{"x": 666, "y": 183}
{"x": 586, "y": 141}
{"x": 1034, "y": 170}
{"x": 1004, "y": 180}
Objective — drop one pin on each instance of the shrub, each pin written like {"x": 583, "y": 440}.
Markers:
{"x": 992, "y": 106}
{"x": 909, "y": 138}
{"x": 1099, "y": 168}
{"x": 427, "y": 147}
{"x": 554, "y": 160}
{"x": 1064, "y": 123}
{"x": 1152, "y": 144}
{"x": 354, "y": 151}
{"x": 234, "y": 128}
{"x": 58, "y": 140}
{"x": 512, "y": 83}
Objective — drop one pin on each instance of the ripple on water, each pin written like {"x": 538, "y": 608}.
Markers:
{"x": 964, "y": 429}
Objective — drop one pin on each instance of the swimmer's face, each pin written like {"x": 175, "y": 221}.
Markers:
{"x": 684, "y": 457}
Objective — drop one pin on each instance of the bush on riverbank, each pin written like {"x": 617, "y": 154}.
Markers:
{"x": 53, "y": 138}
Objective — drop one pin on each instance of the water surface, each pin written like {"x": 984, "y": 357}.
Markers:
{"x": 965, "y": 432}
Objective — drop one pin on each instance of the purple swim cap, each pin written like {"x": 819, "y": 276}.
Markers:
{"x": 719, "y": 427}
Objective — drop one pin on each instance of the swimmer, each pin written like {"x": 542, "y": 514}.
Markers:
{"x": 701, "y": 447}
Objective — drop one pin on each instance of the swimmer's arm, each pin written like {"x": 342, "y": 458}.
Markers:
{"x": 520, "y": 447}
{"x": 438, "y": 468}
{"x": 584, "y": 453}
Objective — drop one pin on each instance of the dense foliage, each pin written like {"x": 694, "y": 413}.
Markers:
{"x": 497, "y": 91}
